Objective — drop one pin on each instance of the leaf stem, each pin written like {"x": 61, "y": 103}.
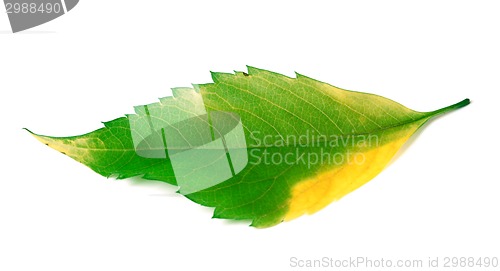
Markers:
{"x": 452, "y": 107}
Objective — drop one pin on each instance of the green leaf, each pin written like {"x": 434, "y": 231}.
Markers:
{"x": 257, "y": 146}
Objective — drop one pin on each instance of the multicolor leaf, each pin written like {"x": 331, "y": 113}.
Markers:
{"x": 257, "y": 146}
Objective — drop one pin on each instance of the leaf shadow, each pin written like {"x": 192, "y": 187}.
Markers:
{"x": 164, "y": 189}
{"x": 168, "y": 190}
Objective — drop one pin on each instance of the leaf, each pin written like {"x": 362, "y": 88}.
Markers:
{"x": 257, "y": 146}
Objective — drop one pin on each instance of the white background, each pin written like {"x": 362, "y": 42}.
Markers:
{"x": 439, "y": 198}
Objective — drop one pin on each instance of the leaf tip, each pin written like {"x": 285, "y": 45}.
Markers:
{"x": 38, "y": 137}
{"x": 215, "y": 76}
{"x": 299, "y": 75}
{"x": 252, "y": 70}
{"x": 29, "y": 131}
{"x": 35, "y": 135}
